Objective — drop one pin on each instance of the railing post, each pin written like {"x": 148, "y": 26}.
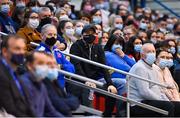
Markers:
{"x": 128, "y": 104}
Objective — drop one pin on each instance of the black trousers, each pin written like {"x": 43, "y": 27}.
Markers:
{"x": 173, "y": 109}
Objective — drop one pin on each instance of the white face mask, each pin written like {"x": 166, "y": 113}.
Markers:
{"x": 64, "y": 17}
{"x": 99, "y": 34}
{"x": 69, "y": 32}
{"x": 33, "y": 23}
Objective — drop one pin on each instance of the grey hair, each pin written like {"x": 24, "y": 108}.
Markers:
{"x": 42, "y": 9}
{"x": 144, "y": 47}
{"x": 46, "y": 27}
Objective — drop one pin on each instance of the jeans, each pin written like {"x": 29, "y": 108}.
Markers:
{"x": 119, "y": 83}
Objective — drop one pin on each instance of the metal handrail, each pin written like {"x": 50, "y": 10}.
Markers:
{"x": 114, "y": 69}
{"x": 167, "y": 8}
{"x": 155, "y": 109}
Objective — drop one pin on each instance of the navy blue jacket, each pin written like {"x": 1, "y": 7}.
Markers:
{"x": 7, "y": 25}
{"x": 38, "y": 97}
{"x": 62, "y": 101}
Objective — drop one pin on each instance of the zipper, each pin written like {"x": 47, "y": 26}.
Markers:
{"x": 90, "y": 51}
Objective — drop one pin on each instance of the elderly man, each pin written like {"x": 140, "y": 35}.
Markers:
{"x": 7, "y": 25}
{"x": 49, "y": 34}
{"x": 147, "y": 92}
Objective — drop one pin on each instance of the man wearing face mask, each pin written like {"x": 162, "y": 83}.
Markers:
{"x": 7, "y": 25}
{"x": 12, "y": 90}
{"x": 37, "y": 94}
{"x": 49, "y": 38}
{"x": 85, "y": 48}
{"x": 147, "y": 92}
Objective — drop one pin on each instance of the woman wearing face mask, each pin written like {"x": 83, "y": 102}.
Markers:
{"x": 61, "y": 14}
{"x": 133, "y": 48}
{"x": 33, "y": 5}
{"x": 117, "y": 22}
{"x": 114, "y": 51}
{"x": 96, "y": 16}
{"x": 66, "y": 31}
{"x": 78, "y": 29}
{"x": 165, "y": 76}
{"x": 28, "y": 30}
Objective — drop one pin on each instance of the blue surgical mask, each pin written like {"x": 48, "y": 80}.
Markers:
{"x": 52, "y": 73}
{"x": 170, "y": 63}
{"x": 20, "y": 4}
{"x": 97, "y": 19}
{"x": 40, "y": 72}
{"x": 99, "y": 6}
{"x": 116, "y": 46}
{"x": 5, "y": 8}
{"x": 143, "y": 26}
{"x": 163, "y": 63}
{"x": 120, "y": 26}
{"x": 138, "y": 47}
{"x": 170, "y": 26}
{"x": 78, "y": 31}
{"x": 35, "y": 9}
{"x": 172, "y": 50}
{"x": 150, "y": 58}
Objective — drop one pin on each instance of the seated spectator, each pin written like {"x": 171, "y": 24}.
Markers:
{"x": 37, "y": 94}
{"x": 82, "y": 48}
{"x": 146, "y": 92}
{"x": 64, "y": 102}
{"x": 114, "y": 52}
{"x": 165, "y": 77}
{"x": 78, "y": 29}
{"x": 49, "y": 34}
{"x": 66, "y": 30}
{"x": 134, "y": 47}
{"x": 12, "y": 91}
{"x": 7, "y": 25}
{"x": 28, "y": 30}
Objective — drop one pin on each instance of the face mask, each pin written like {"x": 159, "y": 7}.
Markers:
{"x": 45, "y": 21}
{"x": 143, "y": 26}
{"x": 150, "y": 58}
{"x": 120, "y": 26}
{"x": 64, "y": 17}
{"x": 89, "y": 38}
{"x": 5, "y": 9}
{"x": 172, "y": 50}
{"x": 162, "y": 30}
{"x": 100, "y": 34}
{"x": 138, "y": 14}
{"x": 52, "y": 73}
{"x": 97, "y": 19}
{"x": 163, "y": 63}
{"x": 40, "y": 72}
{"x": 130, "y": 22}
{"x": 79, "y": 31}
{"x": 170, "y": 63}
{"x": 33, "y": 23}
{"x": 50, "y": 41}
{"x": 99, "y": 6}
{"x": 69, "y": 12}
{"x": 69, "y": 32}
{"x": 154, "y": 41}
{"x": 116, "y": 46}
{"x": 17, "y": 59}
{"x": 138, "y": 47}
{"x": 35, "y": 9}
{"x": 170, "y": 26}
{"x": 20, "y": 4}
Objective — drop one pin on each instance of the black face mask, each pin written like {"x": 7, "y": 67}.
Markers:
{"x": 45, "y": 21}
{"x": 50, "y": 41}
{"x": 17, "y": 59}
{"x": 130, "y": 22}
{"x": 89, "y": 38}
